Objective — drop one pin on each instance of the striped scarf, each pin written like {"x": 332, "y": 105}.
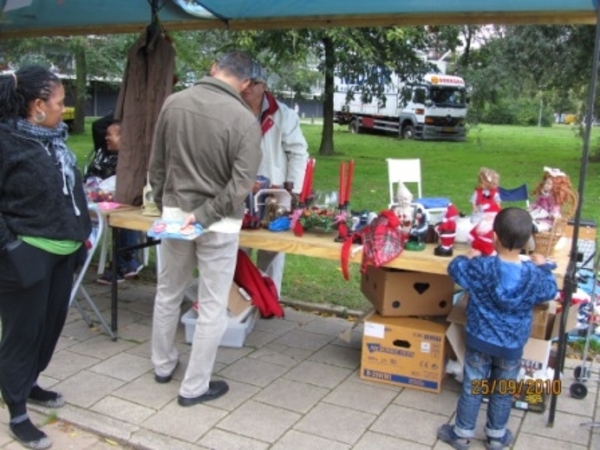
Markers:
{"x": 54, "y": 141}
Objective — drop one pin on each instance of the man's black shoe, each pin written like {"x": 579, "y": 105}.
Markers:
{"x": 162, "y": 379}
{"x": 216, "y": 389}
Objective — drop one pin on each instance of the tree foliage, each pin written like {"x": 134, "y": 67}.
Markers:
{"x": 370, "y": 54}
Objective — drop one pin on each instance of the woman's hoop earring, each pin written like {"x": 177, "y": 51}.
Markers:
{"x": 39, "y": 116}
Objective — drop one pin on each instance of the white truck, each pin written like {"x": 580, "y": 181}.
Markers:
{"x": 435, "y": 107}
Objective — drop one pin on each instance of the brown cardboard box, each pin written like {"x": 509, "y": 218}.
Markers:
{"x": 536, "y": 351}
{"x": 239, "y": 304}
{"x": 542, "y": 320}
{"x": 403, "y": 293}
{"x": 404, "y": 352}
{"x": 543, "y": 325}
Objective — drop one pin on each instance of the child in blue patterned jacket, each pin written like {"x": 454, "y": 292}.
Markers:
{"x": 502, "y": 292}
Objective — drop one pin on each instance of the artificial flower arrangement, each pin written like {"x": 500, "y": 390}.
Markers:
{"x": 324, "y": 216}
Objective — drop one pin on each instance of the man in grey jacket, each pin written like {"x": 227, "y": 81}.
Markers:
{"x": 205, "y": 159}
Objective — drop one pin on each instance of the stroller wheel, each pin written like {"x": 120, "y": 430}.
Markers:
{"x": 581, "y": 373}
{"x": 578, "y": 391}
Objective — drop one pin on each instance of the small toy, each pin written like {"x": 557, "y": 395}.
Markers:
{"x": 418, "y": 230}
{"x": 270, "y": 212}
{"x": 446, "y": 231}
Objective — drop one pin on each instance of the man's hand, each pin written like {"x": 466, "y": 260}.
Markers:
{"x": 191, "y": 219}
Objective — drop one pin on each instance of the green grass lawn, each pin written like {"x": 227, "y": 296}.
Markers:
{"x": 449, "y": 169}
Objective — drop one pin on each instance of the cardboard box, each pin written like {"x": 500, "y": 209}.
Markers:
{"x": 545, "y": 320}
{"x": 235, "y": 334}
{"x": 536, "y": 352}
{"x": 404, "y": 352}
{"x": 403, "y": 293}
{"x": 239, "y": 305}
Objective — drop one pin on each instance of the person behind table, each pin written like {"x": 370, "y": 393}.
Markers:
{"x": 204, "y": 162}
{"x": 44, "y": 223}
{"x": 284, "y": 151}
{"x": 104, "y": 166}
{"x": 502, "y": 292}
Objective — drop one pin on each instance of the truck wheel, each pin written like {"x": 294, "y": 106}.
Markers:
{"x": 354, "y": 126}
{"x": 408, "y": 132}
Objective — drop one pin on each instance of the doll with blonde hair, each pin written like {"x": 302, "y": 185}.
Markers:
{"x": 554, "y": 191}
{"x": 486, "y": 196}
{"x": 486, "y": 204}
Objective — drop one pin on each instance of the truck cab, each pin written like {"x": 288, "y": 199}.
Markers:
{"x": 434, "y": 108}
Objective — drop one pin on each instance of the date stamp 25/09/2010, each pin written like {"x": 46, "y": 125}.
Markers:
{"x": 527, "y": 386}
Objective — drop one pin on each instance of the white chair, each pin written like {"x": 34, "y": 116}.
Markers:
{"x": 97, "y": 235}
{"x": 405, "y": 170}
{"x": 409, "y": 171}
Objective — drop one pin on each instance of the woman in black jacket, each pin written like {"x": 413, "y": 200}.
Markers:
{"x": 44, "y": 223}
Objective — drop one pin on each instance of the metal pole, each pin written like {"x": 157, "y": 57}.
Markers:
{"x": 570, "y": 282}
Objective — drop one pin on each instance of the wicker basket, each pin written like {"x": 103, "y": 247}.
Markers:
{"x": 547, "y": 240}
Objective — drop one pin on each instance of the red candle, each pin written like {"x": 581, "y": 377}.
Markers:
{"x": 343, "y": 181}
{"x": 304, "y": 191}
{"x": 311, "y": 174}
{"x": 349, "y": 181}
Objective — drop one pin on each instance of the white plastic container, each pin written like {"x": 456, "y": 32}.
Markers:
{"x": 234, "y": 336}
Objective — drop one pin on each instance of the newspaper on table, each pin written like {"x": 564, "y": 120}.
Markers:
{"x": 174, "y": 229}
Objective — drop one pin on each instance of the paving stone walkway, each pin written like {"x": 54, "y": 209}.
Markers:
{"x": 295, "y": 385}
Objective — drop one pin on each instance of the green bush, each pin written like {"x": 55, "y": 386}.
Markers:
{"x": 522, "y": 112}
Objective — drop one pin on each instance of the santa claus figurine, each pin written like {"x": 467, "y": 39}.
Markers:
{"x": 446, "y": 231}
{"x": 482, "y": 234}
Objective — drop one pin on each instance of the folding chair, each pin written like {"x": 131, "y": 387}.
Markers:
{"x": 409, "y": 171}
{"x": 518, "y": 194}
{"x": 96, "y": 236}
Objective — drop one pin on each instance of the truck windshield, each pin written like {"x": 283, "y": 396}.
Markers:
{"x": 448, "y": 97}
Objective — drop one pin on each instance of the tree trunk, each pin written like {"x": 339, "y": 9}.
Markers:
{"x": 327, "y": 136}
{"x": 80, "y": 89}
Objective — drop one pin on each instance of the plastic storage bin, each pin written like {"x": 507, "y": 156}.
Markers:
{"x": 234, "y": 336}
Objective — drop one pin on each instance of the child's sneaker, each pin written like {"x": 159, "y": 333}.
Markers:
{"x": 132, "y": 269}
{"x": 446, "y": 434}
{"x": 499, "y": 444}
{"x": 106, "y": 277}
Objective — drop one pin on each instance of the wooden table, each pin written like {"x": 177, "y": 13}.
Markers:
{"x": 319, "y": 245}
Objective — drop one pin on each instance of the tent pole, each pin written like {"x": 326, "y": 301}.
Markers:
{"x": 570, "y": 281}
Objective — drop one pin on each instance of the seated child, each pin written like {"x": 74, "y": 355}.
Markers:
{"x": 104, "y": 165}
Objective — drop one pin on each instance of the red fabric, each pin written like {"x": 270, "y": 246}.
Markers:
{"x": 259, "y": 287}
{"x": 298, "y": 229}
{"x": 266, "y": 119}
{"x": 381, "y": 241}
